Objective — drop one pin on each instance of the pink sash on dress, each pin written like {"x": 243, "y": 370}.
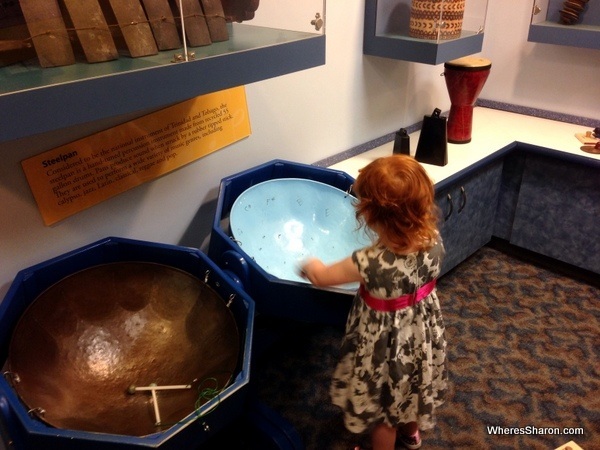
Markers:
{"x": 394, "y": 304}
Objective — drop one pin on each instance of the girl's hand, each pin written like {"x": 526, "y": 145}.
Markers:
{"x": 319, "y": 274}
{"x": 310, "y": 269}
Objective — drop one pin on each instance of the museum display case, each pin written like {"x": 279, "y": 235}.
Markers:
{"x": 574, "y": 23}
{"x": 264, "y": 40}
{"x": 424, "y": 31}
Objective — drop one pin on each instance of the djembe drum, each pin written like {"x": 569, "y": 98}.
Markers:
{"x": 465, "y": 78}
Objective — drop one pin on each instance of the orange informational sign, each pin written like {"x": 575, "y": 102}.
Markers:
{"x": 73, "y": 177}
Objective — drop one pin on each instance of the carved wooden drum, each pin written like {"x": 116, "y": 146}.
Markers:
{"x": 435, "y": 19}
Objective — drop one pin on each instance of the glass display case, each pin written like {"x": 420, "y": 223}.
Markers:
{"x": 574, "y": 23}
{"x": 42, "y": 89}
{"x": 424, "y": 31}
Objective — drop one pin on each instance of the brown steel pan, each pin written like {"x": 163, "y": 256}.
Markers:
{"x": 84, "y": 345}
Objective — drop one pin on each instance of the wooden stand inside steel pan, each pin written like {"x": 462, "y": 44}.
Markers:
{"x": 123, "y": 348}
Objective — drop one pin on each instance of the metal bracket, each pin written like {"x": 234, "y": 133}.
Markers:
{"x": 317, "y": 22}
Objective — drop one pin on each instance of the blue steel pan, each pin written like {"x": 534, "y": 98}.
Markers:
{"x": 282, "y": 222}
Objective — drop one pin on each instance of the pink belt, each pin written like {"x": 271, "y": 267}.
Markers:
{"x": 394, "y": 304}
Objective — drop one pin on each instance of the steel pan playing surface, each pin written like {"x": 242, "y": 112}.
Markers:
{"x": 281, "y": 222}
{"x": 91, "y": 337}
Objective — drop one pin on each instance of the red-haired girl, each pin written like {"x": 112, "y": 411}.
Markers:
{"x": 392, "y": 370}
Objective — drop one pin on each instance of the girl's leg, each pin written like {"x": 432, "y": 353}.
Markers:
{"x": 409, "y": 428}
{"x": 383, "y": 437}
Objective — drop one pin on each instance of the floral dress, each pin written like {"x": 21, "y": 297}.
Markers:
{"x": 392, "y": 366}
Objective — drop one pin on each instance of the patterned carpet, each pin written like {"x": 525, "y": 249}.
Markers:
{"x": 524, "y": 352}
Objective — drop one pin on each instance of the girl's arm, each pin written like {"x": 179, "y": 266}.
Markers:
{"x": 341, "y": 272}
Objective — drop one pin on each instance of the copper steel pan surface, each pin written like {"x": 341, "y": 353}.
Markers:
{"x": 123, "y": 348}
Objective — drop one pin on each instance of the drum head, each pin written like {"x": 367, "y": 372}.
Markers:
{"x": 281, "y": 222}
{"x": 469, "y": 63}
{"x": 84, "y": 349}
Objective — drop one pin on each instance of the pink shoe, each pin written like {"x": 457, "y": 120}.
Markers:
{"x": 411, "y": 442}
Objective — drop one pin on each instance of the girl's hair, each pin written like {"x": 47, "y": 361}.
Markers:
{"x": 396, "y": 198}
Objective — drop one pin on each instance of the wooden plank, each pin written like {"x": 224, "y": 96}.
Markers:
{"x": 239, "y": 11}
{"x": 196, "y": 29}
{"x": 215, "y": 19}
{"x": 15, "y": 44}
{"x": 133, "y": 33}
{"x": 163, "y": 24}
{"x": 48, "y": 32}
{"x": 92, "y": 30}
{"x": 587, "y": 138}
